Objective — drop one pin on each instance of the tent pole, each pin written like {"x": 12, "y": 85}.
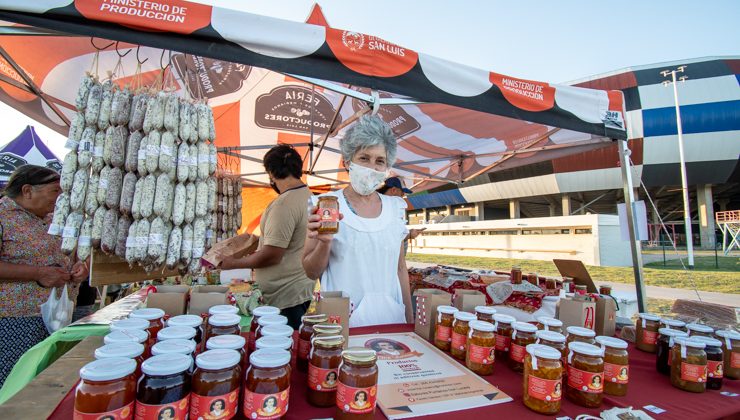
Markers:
{"x": 629, "y": 199}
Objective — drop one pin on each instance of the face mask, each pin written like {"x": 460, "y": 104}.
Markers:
{"x": 365, "y": 180}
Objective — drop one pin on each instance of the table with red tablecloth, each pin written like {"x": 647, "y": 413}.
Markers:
{"x": 647, "y": 387}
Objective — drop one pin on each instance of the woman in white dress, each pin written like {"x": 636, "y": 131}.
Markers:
{"x": 365, "y": 259}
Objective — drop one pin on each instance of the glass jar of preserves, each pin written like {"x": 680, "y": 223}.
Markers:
{"x": 549, "y": 324}
{"x": 192, "y": 321}
{"x": 550, "y": 283}
{"x": 128, "y": 350}
{"x": 556, "y": 341}
{"x": 646, "y": 332}
{"x": 580, "y": 289}
{"x": 485, "y": 313}
{"x": 171, "y": 333}
{"x": 699, "y": 330}
{"x": 543, "y": 379}
{"x": 504, "y": 330}
{"x": 135, "y": 324}
{"x": 731, "y": 349}
{"x": 715, "y": 359}
{"x": 230, "y": 342}
{"x": 267, "y": 387}
{"x": 107, "y": 388}
{"x": 689, "y": 365}
{"x": 269, "y": 320}
{"x": 126, "y": 336}
{"x": 460, "y": 329}
{"x": 580, "y": 334}
{"x": 223, "y": 309}
{"x": 275, "y": 342}
{"x": 164, "y": 390}
{"x": 216, "y": 384}
{"x": 605, "y": 289}
{"x": 673, "y": 324}
{"x": 186, "y": 347}
{"x": 357, "y": 390}
{"x": 616, "y": 365}
{"x": 258, "y": 313}
{"x": 443, "y": 327}
{"x": 481, "y": 347}
{"x": 277, "y": 330}
{"x": 522, "y": 335}
{"x": 534, "y": 279}
{"x": 223, "y": 324}
{"x": 323, "y": 370}
{"x": 326, "y": 329}
{"x": 516, "y": 275}
{"x": 304, "y": 338}
{"x": 328, "y": 211}
{"x": 568, "y": 285}
{"x": 663, "y": 358}
{"x": 585, "y": 375}
{"x": 155, "y": 318}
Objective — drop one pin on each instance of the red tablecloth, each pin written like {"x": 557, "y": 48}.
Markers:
{"x": 647, "y": 387}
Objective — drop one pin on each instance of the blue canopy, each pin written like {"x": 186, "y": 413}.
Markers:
{"x": 26, "y": 149}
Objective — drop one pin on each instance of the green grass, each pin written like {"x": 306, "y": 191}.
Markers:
{"x": 726, "y": 279}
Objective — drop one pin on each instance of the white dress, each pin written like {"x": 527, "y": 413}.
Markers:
{"x": 363, "y": 262}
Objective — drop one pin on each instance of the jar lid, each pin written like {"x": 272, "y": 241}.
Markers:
{"x": 709, "y": 341}
{"x": 583, "y": 332}
{"x": 447, "y": 310}
{"x": 272, "y": 320}
{"x": 274, "y": 342}
{"x": 128, "y": 350}
{"x": 668, "y": 332}
{"x": 482, "y": 309}
{"x": 129, "y": 324}
{"x": 224, "y": 320}
{"x": 327, "y": 329}
{"x": 328, "y": 340}
{"x": 673, "y": 322}
{"x": 551, "y": 336}
{"x": 277, "y": 329}
{"x": 125, "y": 336}
{"x": 524, "y": 327}
{"x": 171, "y": 333}
{"x": 700, "y": 328}
{"x": 612, "y": 342}
{"x": 193, "y": 321}
{"x": 108, "y": 369}
{"x": 229, "y": 341}
{"x": 648, "y": 316}
{"x": 732, "y": 335}
{"x": 482, "y": 326}
{"x": 269, "y": 358}
{"x": 265, "y": 310}
{"x": 218, "y": 359}
{"x": 585, "y": 348}
{"x": 223, "y": 309}
{"x": 464, "y": 316}
{"x": 544, "y": 352}
{"x": 174, "y": 346}
{"x": 166, "y": 364}
{"x": 314, "y": 319}
{"x": 690, "y": 342}
{"x": 550, "y": 322}
{"x": 149, "y": 314}
{"x": 504, "y": 319}
{"x": 360, "y": 355}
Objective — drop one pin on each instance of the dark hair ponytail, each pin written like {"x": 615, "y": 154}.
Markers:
{"x": 28, "y": 175}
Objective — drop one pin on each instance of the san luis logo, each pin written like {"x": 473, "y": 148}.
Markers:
{"x": 353, "y": 40}
{"x": 295, "y": 108}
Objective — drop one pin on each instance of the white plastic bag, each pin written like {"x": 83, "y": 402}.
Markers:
{"x": 57, "y": 313}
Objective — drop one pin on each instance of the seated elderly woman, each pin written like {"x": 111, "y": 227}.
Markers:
{"x": 365, "y": 258}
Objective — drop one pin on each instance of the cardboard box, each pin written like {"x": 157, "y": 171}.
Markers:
{"x": 203, "y": 297}
{"x": 579, "y": 313}
{"x": 336, "y": 306}
{"x": 173, "y": 300}
{"x": 606, "y": 316}
{"x": 467, "y": 300}
{"x": 236, "y": 247}
{"x": 427, "y": 301}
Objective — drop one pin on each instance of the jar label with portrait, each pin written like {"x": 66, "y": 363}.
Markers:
{"x": 324, "y": 380}
{"x": 517, "y": 353}
{"x": 616, "y": 374}
{"x": 715, "y": 369}
{"x": 171, "y": 411}
{"x": 124, "y": 413}
{"x": 216, "y": 407}
{"x": 591, "y": 382}
{"x": 502, "y": 342}
{"x": 545, "y": 389}
{"x": 265, "y": 406}
{"x": 481, "y": 355}
{"x": 356, "y": 400}
{"x": 443, "y": 333}
{"x": 693, "y": 373}
{"x": 304, "y": 348}
{"x": 459, "y": 341}
{"x": 328, "y": 215}
{"x": 649, "y": 337}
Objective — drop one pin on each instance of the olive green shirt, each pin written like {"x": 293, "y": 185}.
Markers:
{"x": 283, "y": 225}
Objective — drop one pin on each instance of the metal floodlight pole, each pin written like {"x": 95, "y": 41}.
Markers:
{"x": 682, "y": 160}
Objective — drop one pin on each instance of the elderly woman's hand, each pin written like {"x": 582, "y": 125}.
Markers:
{"x": 314, "y": 223}
{"x": 79, "y": 271}
{"x": 52, "y": 276}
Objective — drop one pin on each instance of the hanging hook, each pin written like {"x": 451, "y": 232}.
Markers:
{"x": 161, "y": 60}
{"x": 138, "y": 47}
{"x": 97, "y": 48}
{"x": 119, "y": 52}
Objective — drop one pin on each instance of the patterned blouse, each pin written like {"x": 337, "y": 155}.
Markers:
{"x": 25, "y": 241}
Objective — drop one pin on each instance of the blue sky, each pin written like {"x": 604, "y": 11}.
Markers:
{"x": 552, "y": 41}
